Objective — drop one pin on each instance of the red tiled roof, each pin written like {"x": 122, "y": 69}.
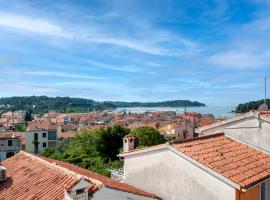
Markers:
{"x": 37, "y": 125}
{"x": 32, "y": 177}
{"x": 110, "y": 183}
{"x": 237, "y": 162}
{"x": 68, "y": 134}
{"x": 6, "y": 134}
{"x": 206, "y": 121}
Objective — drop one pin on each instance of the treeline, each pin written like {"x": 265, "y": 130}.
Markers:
{"x": 42, "y": 104}
{"x": 252, "y": 105}
{"x": 173, "y": 103}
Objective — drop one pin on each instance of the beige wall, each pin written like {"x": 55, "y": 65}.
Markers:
{"x": 172, "y": 177}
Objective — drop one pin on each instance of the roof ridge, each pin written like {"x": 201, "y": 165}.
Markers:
{"x": 196, "y": 138}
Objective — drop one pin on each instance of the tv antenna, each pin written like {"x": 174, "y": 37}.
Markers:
{"x": 265, "y": 88}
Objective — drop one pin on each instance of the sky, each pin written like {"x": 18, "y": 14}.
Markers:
{"x": 215, "y": 52}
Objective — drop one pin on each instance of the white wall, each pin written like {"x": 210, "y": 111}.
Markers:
{"x": 29, "y": 137}
{"x": 111, "y": 194}
{"x": 172, "y": 177}
{"x": 248, "y": 130}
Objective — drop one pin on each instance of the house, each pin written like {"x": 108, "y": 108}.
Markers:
{"x": 206, "y": 121}
{"x": 183, "y": 130}
{"x": 33, "y": 177}
{"x": 252, "y": 128}
{"x": 9, "y": 144}
{"x": 213, "y": 167}
{"x": 41, "y": 134}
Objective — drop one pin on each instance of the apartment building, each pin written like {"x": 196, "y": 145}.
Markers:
{"x": 9, "y": 144}
{"x": 41, "y": 134}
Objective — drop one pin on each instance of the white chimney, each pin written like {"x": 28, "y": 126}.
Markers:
{"x": 3, "y": 173}
{"x": 128, "y": 143}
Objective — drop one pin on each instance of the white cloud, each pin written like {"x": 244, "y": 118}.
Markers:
{"x": 240, "y": 59}
{"x": 95, "y": 34}
{"x": 60, "y": 74}
{"x": 32, "y": 24}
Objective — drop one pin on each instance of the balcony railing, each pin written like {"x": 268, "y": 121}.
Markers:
{"x": 117, "y": 174}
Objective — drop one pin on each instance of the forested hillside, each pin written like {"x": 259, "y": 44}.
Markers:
{"x": 42, "y": 104}
{"x": 252, "y": 105}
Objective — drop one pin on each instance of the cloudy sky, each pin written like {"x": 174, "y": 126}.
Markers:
{"x": 216, "y": 52}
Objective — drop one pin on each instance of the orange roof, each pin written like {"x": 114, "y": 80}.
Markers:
{"x": 68, "y": 134}
{"x": 41, "y": 124}
{"x": 206, "y": 121}
{"x": 110, "y": 183}
{"x": 265, "y": 113}
{"x": 32, "y": 177}
{"x": 237, "y": 162}
{"x": 6, "y": 134}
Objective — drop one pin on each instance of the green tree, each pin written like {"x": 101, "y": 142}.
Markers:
{"x": 110, "y": 141}
{"x": 20, "y": 127}
{"x": 148, "y": 136}
{"x": 28, "y": 115}
{"x": 95, "y": 150}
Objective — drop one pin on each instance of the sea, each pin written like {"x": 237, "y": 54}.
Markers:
{"x": 217, "y": 111}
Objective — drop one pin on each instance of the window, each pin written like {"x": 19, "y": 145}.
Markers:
{"x": 80, "y": 191}
{"x": 52, "y": 135}
{"x": 44, "y": 135}
{"x": 9, "y": 143}
{"x": 9, "y": 154}
{"x": 44, "y": 144}
{"x": 35, "y": 136}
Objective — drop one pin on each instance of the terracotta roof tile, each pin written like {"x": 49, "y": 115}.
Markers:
{"x": 238, "y": 162}
{"x": 32, "y": 177}
{"x": 41, "y": 124}
{"x": 110, "y": 183}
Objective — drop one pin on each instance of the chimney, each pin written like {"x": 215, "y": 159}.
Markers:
{"x": 3, "y": 173}
{"x": 129, "y": 143}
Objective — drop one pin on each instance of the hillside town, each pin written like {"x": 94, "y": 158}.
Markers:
{"x": 53, "y": 126}
{"x": 202, "y": 157}
{"x": 134, "y": 100}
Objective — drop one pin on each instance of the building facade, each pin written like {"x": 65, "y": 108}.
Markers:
{"x": 40, "y": 135}
{"x": 212, "y": 167}
{"x": 9, "y": 145}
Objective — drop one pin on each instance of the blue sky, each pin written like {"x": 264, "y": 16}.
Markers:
{"x": 216, "y": 52}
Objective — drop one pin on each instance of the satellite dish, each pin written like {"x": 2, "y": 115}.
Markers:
{"x": 263, "y": 107}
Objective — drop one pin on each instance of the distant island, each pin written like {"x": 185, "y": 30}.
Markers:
{"x": 173, "y": 103}
{"x": 42, "y": 104}
{"x": 252, "y": 105}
